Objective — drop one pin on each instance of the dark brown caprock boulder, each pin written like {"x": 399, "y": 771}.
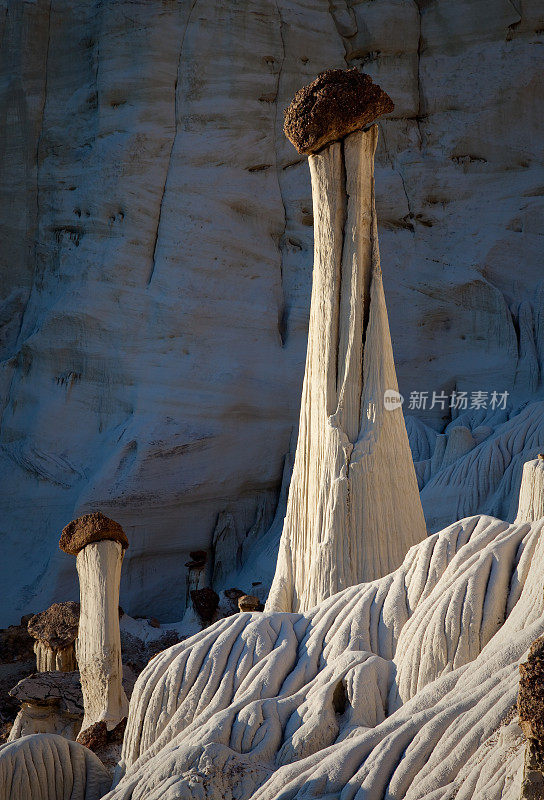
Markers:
{"x": 336, "y": 103}
{"x": 95, "y": 527}
{"x": 249, "y": 602}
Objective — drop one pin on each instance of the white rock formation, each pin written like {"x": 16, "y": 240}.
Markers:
{"x": 354, "y": 507}
{"x": 98, "y": 645}
{"x": 147, "y": 137}
{"x": 531, "y": 495}
{"x": 489, "y": 475}
{"x": 48, "y": 660}
{"x": 50, "y": 703}
{"x": 55, "y": 632}
{"x": 459, "y": 442}
{"x": 99, "y": 544}
{"x": 50, "y": 767}
{"x": 402, "y": 687}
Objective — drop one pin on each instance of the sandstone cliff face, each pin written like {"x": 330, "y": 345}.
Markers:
{"x": 157, "y": 245}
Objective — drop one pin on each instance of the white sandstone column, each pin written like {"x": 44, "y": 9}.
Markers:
{"x": 354, "y": 507}
{"x": 98, "y": 645}
{"x": 99, "y": 544}
{"x": 531, "y": 493}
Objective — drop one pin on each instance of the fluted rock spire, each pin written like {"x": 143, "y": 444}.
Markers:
{"x": 354, "y": 507}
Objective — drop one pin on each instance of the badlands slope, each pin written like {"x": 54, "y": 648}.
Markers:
{"x": 157, "y": 251}
{"x": 404, "y": 687}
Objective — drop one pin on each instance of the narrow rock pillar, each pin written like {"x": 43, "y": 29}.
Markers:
{"x": 531, "y": 493}
{"x": 353, "y": 509}
{"x": 99, "y": 545}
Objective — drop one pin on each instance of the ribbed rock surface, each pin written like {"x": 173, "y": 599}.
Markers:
{"x": 402, "y": 687}
{"x": 156, "y": 252}
{"x": 354, "y": 507}
{"x": 49, "y": 767}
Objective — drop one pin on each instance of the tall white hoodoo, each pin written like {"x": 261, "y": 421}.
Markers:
{"x": 354, "y": 507}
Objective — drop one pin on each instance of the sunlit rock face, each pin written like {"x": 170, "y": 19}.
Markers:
{"x": 402, "y": 687}
{"x": 157, "y": 249}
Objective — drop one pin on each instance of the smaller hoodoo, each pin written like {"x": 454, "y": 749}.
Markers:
{"x": 99, "y": 545}
{"x": 531, "y": 493}
{"x": 54, "y": 632}
{"x": 354, "y": 507}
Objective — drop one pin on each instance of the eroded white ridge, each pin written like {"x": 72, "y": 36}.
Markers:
{"x": 45, "y": 766}
{"x": 401, "y": 687}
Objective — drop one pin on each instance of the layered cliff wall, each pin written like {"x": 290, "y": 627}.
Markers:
{"x": 157, "y": 245}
